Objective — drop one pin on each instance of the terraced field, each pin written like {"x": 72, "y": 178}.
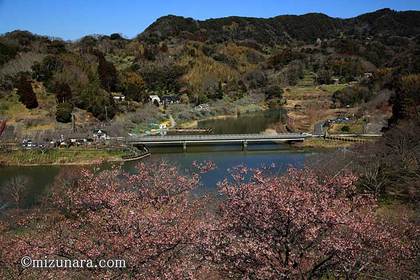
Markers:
{"x": 32, "y": 122}
{"x": 308, "y": 103}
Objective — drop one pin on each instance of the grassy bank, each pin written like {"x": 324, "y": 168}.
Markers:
{"x": 320, "y": 143}
{"x": 59, "y": 156}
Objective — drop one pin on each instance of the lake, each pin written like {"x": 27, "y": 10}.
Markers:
{"x": 275, "y": 157}
{"x": 245, "y": 123}
{"x": 225, "y": 158}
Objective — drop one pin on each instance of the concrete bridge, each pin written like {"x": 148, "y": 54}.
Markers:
{"x": 243, "y": 139}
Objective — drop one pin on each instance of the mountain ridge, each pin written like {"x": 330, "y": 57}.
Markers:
{"x": 214, "y": 60}
{"x": 307, "y": 27}
{"x": 407, "y": 23}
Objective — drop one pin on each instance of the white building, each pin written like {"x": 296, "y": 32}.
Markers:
{"x": 154, "y": 98}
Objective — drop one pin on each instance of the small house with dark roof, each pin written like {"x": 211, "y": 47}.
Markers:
{"x": 170, "y": 99}
{"x": 118, "y": 97}
{"x": 99, "y": 134}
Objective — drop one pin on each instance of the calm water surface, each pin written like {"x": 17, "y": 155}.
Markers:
{"x": 276, "y": 157}
{"x": 245, "y": 123}
{"x": 276, "y": 161}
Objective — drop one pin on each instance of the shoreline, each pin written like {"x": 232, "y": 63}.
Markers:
{"x": 194, "y": 124}
{"x": 85, "y": 163}
{"x": 56, "y": 157}
{"x": 295, "y": 147}
{"x": 81, "y": 163}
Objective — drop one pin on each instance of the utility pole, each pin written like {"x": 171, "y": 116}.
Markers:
{"x": 73, "y": 122}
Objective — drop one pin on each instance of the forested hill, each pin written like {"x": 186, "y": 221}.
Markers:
{"x": 226, "y": 60}
{"x": 285, "y": 28}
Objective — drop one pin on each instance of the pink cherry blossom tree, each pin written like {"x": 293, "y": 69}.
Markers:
{"x": 148, "y": 219}
{"x": 299, "y": 226}
{"x": 295, "y": 226}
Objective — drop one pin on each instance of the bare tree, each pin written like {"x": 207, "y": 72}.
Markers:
{"x": 14, "y": 191}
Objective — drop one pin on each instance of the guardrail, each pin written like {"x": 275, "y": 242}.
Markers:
{"x": 221, "y": 137}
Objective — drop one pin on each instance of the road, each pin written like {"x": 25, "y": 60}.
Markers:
{"x": 319, "y": 129}
{"x": 224, "y": 138}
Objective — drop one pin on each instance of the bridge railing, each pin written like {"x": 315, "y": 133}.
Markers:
{"x": 279, "y": 135}
{"x": 219, "y": 137}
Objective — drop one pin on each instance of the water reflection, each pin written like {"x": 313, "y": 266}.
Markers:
{"x": 245, "y": 123}
{"x": 225, "y": 157}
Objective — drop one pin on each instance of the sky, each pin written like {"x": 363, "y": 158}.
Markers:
{"x": 73, "y": 19}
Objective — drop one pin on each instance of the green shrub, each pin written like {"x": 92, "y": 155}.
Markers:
{"x": 274, "y": 92}
{"x": 63, "y": 113}
{"x": 345, "y": 128}
{"x": 352, "y": 95}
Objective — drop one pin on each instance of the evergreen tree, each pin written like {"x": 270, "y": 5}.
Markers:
{"x": 26, "y": 94}
{"x": 97, "y": 101}
{"x": 107, "y": 74}
{"x": 63, "y": 92}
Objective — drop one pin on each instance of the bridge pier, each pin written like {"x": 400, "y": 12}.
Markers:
{"x": 244, "y": 145}
{"x": 184, "y": 145}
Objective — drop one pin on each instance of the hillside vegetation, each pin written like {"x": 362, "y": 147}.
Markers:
{"x": 314, "y": 65}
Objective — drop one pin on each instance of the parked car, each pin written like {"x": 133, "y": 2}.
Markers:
{"x": 28, "y": 144}
{"x": 202, "y": 107}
